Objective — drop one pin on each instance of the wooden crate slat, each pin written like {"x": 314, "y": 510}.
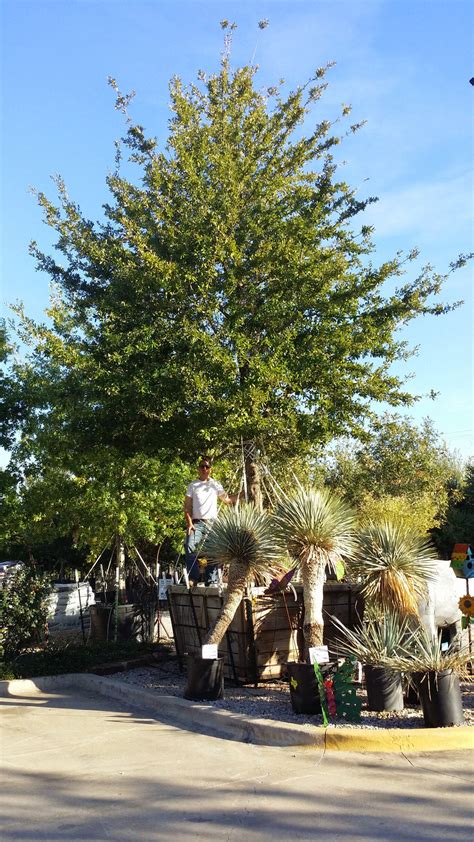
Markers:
{"x": 275, "y": 641}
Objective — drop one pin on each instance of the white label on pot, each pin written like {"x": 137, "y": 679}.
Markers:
{"x": 318, "y": 655}
{"x": 209, "y": 650}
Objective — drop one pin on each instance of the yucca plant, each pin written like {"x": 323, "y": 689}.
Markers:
{"x": 422, "y": 653}
{"x": 244, "y": 539}
{"x": 317, "y": 527}
{"x": 375, "y": 643}
{"x": 395, "y": 563}
{"x": 435, "y": 674}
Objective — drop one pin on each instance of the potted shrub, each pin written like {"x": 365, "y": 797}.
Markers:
{"x": 435, "y": 673}
{"x": 395, "y": 564}
{"x": 317, "y": 527}
{"x": 242, "y": 538}
{"x": 374, "y": 644}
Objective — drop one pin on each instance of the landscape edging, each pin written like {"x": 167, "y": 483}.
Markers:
{"x": 234, "y": 726}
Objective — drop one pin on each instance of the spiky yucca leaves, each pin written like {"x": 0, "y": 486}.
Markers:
{"x": 376, "y": 642}
{"x": 422, "y": 653}
{"x": 395, "y": 563}
{"x": 317, "y": 527}
{"x": 244, "y": 539}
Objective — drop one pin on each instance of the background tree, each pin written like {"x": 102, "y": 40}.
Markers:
{"x": 402, "y": 472}
{"x": 226, "y": 295}
{"x": 457, "y": 526}
{"x": 106, "y": 495}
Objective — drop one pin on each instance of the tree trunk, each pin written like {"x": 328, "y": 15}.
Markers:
{"x": 120, "y": 555}
{"x": 313, "y": 571}
{"x": 236, "y": 582}
{"x": 252, "y": 476}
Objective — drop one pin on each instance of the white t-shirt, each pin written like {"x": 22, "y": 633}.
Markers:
{"x": 204, "y": 494}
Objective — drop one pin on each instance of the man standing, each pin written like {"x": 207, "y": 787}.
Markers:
{"x": 200, "y": 510}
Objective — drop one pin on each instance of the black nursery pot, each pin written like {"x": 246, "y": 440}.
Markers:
{"x": 304, "y": 692}
{"x": 384, "y": 689}
{"x": 205, "y": 678}
{"x": 440, "y": 696}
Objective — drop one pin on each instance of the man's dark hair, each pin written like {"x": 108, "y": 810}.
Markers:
{"x": 207, "y": 459}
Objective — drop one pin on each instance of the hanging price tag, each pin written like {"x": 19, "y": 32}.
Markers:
{"x": 318, "y": 655}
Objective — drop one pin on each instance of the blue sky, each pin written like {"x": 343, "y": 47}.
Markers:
{"x": 404, "y": 65}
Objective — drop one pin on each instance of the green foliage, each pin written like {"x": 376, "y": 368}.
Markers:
{"x": 457, "y": 526}
{"x": 401, "y": 472}
{"x": 62, "y": 656}
{"x": 23, "y": 611}
{"x": 140, "y": 498}
{"x": 245, "y": 537}
{"x": 375, "y": 641}
{"x": 422, "y": 653}
{"x": 8, "y": 389}
{"x": 418, "y": 514}
{"x": 314, "y": 522}
{"x": 227, "y": 293}
{"x": 395, "y": 564}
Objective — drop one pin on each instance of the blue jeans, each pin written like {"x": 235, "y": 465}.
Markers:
{"x": 193, "y": 547}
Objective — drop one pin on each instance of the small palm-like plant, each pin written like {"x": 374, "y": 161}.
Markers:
{"x": 423, "y": 653}
{"x": 317, "y": 527}
{"x": 244, "y": 539}
{"x": 376, "y": 643}
{"x": 395, "y": 563}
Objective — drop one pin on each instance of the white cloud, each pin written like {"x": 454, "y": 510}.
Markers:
{"x": 425, "y": 209}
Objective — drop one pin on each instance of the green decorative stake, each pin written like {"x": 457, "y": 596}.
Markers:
{"x": 347, "y": 703}
{"x": 322, "y": 694}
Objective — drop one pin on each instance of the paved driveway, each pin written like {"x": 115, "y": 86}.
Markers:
{"x": 78, "y": 767}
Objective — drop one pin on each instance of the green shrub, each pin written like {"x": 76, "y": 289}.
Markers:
{"x": 23, "y": 611}
{"x": 62, "y": 656}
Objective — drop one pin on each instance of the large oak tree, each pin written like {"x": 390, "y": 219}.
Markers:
{"x": 227, "y": 294}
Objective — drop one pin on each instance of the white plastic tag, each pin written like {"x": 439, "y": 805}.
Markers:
{"x": 163, "y": 586}
{"x": 319, "y": 655}
{"x": 209, "y": 651}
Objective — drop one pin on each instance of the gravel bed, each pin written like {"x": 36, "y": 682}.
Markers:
{"x": 271, "y": 700}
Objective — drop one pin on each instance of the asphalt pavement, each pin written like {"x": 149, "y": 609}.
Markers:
{"x": 78, "y": 765}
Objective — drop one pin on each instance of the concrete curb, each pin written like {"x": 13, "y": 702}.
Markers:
{"x": 233, "y": 726}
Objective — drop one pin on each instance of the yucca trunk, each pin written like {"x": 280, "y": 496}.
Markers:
{"x": 236, "y": 582}
{"x": 313, "y": 574}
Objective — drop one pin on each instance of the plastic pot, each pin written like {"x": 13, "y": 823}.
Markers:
{"x": 205, "y": 678}
{"x": 304, "y": 692}
{"x": 384, "y": 688}
{"x": 440, "y": 697}
{"x": 130, "y": 625}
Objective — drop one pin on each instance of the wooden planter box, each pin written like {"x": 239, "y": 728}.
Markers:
{"x": 266, "y": 631}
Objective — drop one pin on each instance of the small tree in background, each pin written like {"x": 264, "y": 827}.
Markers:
{"x": 457, "y": 526}
{"x": 401, "y": 472}
{"x": 139, "y": 499}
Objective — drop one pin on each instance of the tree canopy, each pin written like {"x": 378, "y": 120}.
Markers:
{"x": 226, "y": 293}
{"x": 403, "y": 471}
